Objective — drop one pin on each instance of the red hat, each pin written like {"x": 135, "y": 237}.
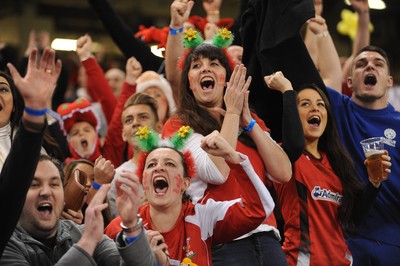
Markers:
{"x": 80, "y": 110}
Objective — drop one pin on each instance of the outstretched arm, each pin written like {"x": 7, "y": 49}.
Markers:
{"x": 180, "y": 11}
{"x": 212, "y": 9}
{"x": 36, "y": 89}
{"x": 97, "y": 84}
{"x": 363, "y": 37}
{"x": 328, "y": 61}
{"x": 123, "y": 36}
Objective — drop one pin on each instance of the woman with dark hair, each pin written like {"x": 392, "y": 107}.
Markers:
{"x": 324, "y": 198}
{"x": 18, "y": 103}
{"x": 207, "y": 103}
{"x": 11, "y": 109}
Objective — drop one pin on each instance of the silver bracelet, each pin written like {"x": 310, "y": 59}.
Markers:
{"x": 138, "y": 225}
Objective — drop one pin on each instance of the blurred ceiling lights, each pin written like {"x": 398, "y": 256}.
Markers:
{"x": 63, "y": 44}
{"x": 373, "y": 4}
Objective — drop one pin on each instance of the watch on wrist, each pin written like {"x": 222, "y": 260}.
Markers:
{"x": 138, "y": 225}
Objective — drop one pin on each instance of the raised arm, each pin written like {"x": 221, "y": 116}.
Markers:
{"x": 276, "y": 161}
{"x": 180, "y": 11}
{"x": 103, "y": 174}
{"x": 97, "y": 84}
{"x": 36, "y": 89}
{"x": 310, "y": 38}
{"x": 328, "y": 61}
{"x": 293, "y": 141}
{"x": 114, "y": 145}
{"x": 363, "y": 36}
{"x": 123, "y": 36}
{"x": 128, "y": 201}
{"x": 212, "y": 9}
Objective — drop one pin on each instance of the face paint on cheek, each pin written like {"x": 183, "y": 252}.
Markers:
{"x": 179, "y": 181}
{"x": 221, "y": 78}
{"x": 145, "y": 182}
{"x": 191, "y": 82}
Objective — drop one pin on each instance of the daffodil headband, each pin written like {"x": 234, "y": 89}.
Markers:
{"x": 222, "y": 39}
{"x": 192, "y": 38}
{"x": 150, "y": 140}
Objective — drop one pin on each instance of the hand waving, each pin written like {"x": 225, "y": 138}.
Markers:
{"x": 40, "y": 80}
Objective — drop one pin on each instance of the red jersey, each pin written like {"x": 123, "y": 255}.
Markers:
{"x": 310, "y": 204}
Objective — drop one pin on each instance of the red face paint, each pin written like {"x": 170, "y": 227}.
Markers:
{"x": 221, "y": 78}
{"x": 190, "y": 81}
{"x": 179, "y": 181}
{"x": 145, "y": 181}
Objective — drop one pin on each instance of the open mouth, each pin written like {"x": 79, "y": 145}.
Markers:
{"x": 370, "y": 80}
{"x": 160, "y": 185}
{"x": 314, "y": 120}
{"x": 207, "y": 83}
{"x": 45, "y": 210}
{"x": 84, "y": 143}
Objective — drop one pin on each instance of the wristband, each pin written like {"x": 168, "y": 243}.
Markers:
{"x": 173, "y": 31}
{"x": 132, "y": 229}
{"x": 251, "y": 125}
{"x": 96, "y": 186}
{"x": 35, "y": 112}
{"x": 129, "y": 240}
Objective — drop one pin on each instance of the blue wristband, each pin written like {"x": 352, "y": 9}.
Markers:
{"x": 251, "y": 125}
{"x": 173, "y": 31}
{"x": 35, "y": 112}
{"x": 96, "y": 186}
{"x": 129, "y": 240}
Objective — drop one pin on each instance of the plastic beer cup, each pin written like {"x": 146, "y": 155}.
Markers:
{"x": 373, "y": 150}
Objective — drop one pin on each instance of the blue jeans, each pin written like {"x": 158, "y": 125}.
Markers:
{"x": 367, "y": 252}
{"x": 258, "y": 249}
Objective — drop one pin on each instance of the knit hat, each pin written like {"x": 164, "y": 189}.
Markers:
{"x": 164, "y": 86}
{"x": 80, "y": 110}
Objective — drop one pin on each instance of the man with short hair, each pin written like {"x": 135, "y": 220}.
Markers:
{"x": 41, "y": 238}
{"x": 139, "y": 110}
{"x": 369, "y": 114}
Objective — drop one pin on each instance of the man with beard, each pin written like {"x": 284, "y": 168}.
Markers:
{"x": 369, "y": 114}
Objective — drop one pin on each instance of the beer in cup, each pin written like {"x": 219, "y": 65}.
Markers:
{"x": 373, "y": 150}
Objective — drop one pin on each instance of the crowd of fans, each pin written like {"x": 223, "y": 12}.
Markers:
{"x": 220, "y": 153}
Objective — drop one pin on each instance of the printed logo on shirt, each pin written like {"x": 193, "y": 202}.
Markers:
{"x": 390, "y": 134}
{"x": 319, "y": 193}
{"x": 187, "y": 261}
